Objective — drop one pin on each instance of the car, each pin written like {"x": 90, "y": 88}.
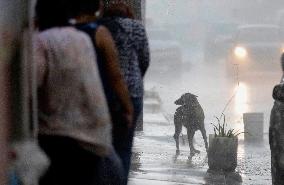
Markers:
{"x": 279, "y": 20}
{"x": 152, "y": 101}
{"x": 166, "y": 54}
{"x": 255, "y": 49}
{"x": 152, "y": 108}
{"x": 217, "y": 40}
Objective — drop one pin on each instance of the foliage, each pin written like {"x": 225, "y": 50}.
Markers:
{"x": 220, "y": 129}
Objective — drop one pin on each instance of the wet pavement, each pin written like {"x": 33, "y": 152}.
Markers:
{"x": 154, "y": 160}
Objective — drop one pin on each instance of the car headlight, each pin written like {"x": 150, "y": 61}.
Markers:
{"x": 240, "y": 52}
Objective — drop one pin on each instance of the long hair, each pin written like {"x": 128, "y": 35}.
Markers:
{"x": 52, "y": 13}
{"x": 118, "y": 9}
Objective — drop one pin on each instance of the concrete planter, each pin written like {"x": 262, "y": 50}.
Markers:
{"x": 222, "y": 154}
{"x": 253, "y": 126}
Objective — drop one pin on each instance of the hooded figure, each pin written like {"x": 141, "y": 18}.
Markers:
{"x": 276, "y": 132}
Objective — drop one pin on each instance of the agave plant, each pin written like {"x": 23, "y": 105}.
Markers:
{"x": 220, "y": 129}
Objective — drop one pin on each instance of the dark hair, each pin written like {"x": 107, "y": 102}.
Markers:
{"x": 118, "y": 9}
{"x": 83, "y": 7}
{"x": 52, "y": 13}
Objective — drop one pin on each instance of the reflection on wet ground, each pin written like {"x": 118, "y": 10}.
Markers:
{"x": 241, "y": 99}
{"x": 135, "y": 162}
{"x": 254, "y": 160}
{"x": 155, "y": 161}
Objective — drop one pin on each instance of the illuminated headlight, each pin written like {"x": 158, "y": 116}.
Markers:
{"x": 240, "y": 52}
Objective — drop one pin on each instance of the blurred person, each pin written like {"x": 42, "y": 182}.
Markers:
{"x": 74, "y": 121}
{"x": 131, "y": 41}
{"x": 123, "y": 127}
{"x": 86, "y": 14}
{"x": 276, "y": 132}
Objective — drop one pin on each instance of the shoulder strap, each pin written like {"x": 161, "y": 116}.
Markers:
{"x": 90, "y": 29}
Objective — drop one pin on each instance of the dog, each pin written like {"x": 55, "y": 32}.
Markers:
{"x": 190, "y": 115}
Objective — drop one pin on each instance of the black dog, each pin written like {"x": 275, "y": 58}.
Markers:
{"x": 190, "y": 115}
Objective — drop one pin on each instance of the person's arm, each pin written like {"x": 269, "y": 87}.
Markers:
{"x": 143, "y": 51}
{"x": 106, "y": 44}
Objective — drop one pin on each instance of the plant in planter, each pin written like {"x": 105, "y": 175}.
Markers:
{"x": 223, "y": 146}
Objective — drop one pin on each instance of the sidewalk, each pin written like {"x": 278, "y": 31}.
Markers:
{"x": 154, "y": 160}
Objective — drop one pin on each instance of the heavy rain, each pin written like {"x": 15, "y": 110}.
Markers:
{"x": 228, "y": 54}
{"x": 213, "y": 104}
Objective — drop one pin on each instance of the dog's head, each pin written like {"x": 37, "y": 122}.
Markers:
{"x": 186, "y": 99}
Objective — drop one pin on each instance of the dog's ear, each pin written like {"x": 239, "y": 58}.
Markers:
{"x": 179, "y": 101}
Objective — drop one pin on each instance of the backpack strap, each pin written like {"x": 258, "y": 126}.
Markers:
{"x": 90, "y": 29}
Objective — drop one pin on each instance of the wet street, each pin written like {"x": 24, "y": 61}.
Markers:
{"x": 154, "y": 160}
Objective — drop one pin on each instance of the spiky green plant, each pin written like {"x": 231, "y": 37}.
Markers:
{"x": 220, "y": 129}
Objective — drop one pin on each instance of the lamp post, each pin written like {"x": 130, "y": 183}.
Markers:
{"x": 12, "y": 126}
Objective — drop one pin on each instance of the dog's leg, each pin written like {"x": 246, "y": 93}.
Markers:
{"x": 178, "y": 128}
{"x": 190, "y": 134}
{"x": 203, "y": 132}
